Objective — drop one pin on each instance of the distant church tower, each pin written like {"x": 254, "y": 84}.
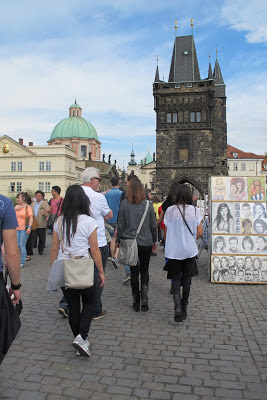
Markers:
{"x": 191, "y": 132}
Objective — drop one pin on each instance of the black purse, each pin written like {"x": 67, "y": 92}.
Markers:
{"x": 194, "y": 270}
{"x": 9, "y": 319}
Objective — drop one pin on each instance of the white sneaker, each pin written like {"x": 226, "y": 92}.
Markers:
{"x": 82, "y": 346}
{"x": 115, "y": 262}
{"x": 127, "y": 279}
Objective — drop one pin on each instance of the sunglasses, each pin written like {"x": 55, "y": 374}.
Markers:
{"x": 99, "y": 179}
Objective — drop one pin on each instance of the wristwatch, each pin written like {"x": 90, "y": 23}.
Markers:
{"x": 15, "y": 287}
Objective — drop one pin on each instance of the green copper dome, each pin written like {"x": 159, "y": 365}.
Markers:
{"x": 147, "y": 159}
{"x": 74, "y": 126}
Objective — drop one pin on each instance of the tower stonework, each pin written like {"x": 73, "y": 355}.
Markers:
{"x": 191, "y": 133}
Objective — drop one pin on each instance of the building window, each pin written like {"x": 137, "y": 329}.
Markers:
{"x": 47, "y": 186}
{"x": 12, "y": 186}
{"x": 195, "y": 116}
{"x": 41, "y": 186}
{"x": 78, "y": 176}
{"x": 48, "y": 165}
{"x": 235, "y": 166}
{"x": 69, "y": 166}
{"x": 169, "y": 118}
{"x": 174, "y": 118}
{"x": 13, "y": 165}
{"x": 235, "y": 155}
{"x": 41, "y": 166}
{"x": 192, "y": 117}
{"x": 19, "y": 165}
{"x": 18, "y": 186}
{"x": 251, "y": 167}
{"x": 243, "y": 166}
{"x": 83, "y": 151}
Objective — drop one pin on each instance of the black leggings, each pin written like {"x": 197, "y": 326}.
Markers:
{"x": 80, "y": 321}
{"x": 185, "y": 267}
{"x": 144, "y": 253}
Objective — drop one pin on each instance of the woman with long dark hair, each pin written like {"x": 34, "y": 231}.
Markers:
{"x": 130, "y": 215}
{"x": 223, "y": 222}
{"x": 182, "y": 228}
{"x": 79, "y": 231}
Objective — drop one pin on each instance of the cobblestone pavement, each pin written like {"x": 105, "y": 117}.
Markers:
{"x": 217, "y": 353}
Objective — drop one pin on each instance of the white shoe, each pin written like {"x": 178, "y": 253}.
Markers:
{"x": 115, "y": 262}
{"x": 82, "y": 346}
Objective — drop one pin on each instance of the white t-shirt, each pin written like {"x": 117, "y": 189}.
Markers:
{"x": 99, "y": 209}
{"x": 80, "y": 241}
{"x": 180, "y": 243}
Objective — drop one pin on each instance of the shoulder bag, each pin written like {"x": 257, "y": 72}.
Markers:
{"x": 52, "y": 217}
{"x": 78, "y": 272}
{"x": 194, "y": 270}
{"x": 128, "y": 250}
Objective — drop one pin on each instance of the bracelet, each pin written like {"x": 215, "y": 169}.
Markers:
{"x": 27, "y": 226}
{"x": 15, "y": 287}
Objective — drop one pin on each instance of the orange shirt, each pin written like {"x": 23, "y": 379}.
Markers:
{"x": 21, "y": 216}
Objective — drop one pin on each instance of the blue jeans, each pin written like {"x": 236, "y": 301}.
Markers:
{"x": 98, "y": 289}
{"x": 127, "y": 270}
{"x": 22, "y": 238}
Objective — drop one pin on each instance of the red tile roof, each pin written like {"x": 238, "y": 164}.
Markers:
{"x": 241, "y": 154}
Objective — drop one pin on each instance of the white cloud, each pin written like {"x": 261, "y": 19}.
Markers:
{"x": 247, "y": 16}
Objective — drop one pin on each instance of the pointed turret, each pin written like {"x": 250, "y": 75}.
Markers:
{"x": 219, "y": 82}
{"x": 132, "y": 162}
{"x": 184, "y": 64}
{"x": 210, "y": 75}
{"x": 157, "y": 75}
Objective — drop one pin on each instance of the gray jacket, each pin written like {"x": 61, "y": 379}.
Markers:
{"x": 129, "y": 219}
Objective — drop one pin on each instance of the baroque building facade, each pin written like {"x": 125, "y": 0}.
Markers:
{"x": 191, "y": 130}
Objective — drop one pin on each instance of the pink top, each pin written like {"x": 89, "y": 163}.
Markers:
{"x": 54, "y": 205}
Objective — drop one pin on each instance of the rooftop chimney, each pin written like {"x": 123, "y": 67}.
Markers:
{"x": 30, "y": 143}
{"x": 21, "y": 141}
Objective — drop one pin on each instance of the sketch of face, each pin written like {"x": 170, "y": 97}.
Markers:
{"x": 246, "y": 211}
{"x": 240, "y": 275}
{"x": 264, "y": 271}
{"x": 256, "y": 275}
{"x": 220, "y": 245}
{"x": 256, "y": 263}
{"x": 248, "y": 275}
{"x": 239, "y": 186}
{"x": 247, "y": 245}
{"x": 248, "y": 262}
{"x": 240, "y": 263}
{"x": 258, "y": 210}
{"x": 257, "y": 185}
{"x": 231, "y": 261}
{"x": 216, "y": 275}
{"x": 259, "y": 227}
{"x": 233, "y": 245}
{"x": 216, "y": 262}
{"x": 224, "y": 211}
{"x": 219, "y": 182}
{"x": 260, "y": 243}
{"x": 247, "y": 227}
{"x": 233, "y": 189}
{"x": 232, "y": 274}
{"x": 224, "y": 262}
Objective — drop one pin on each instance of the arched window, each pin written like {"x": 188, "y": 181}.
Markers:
{"x": 83, "y": 151}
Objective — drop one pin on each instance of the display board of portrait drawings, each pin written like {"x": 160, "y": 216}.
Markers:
{"x": 238, "y": 230}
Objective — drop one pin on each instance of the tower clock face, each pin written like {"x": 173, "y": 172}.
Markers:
{"x": 5, "y": 148}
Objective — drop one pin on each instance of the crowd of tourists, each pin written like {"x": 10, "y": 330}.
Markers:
{"x": 89, "y": 225}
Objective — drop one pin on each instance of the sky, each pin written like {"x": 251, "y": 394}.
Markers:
{"x": 104, "y": 53}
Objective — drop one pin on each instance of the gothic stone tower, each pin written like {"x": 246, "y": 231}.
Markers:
{"x": 191, "y": 133}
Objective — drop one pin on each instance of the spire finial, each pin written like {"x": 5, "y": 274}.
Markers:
{"x": 216, "y": 51}
{"x": 209, "y": 56}
{"x": 192, "y": 25}
{"x": 175, "y": 26}
{"x": 157, "y": 57}
{"x": 75, "y": 100}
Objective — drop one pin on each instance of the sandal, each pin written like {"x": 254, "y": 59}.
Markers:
{"x": 28, "y": 258}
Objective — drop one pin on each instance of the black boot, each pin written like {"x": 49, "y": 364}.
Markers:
{"x": 184, "y": 312}
{"x": 177, "y": 307}
{"x": 136, "y": 301}
{"x": 144, "y": 299}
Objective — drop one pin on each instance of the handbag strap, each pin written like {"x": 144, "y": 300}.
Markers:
{"x": 185, "y": 220}
{"x": 58, "y": 207}
{"x": 142, "y": 220}
{"x": 59, "y": 221}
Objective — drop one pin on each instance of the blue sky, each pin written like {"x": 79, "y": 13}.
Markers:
{"x": 104, "y": 53}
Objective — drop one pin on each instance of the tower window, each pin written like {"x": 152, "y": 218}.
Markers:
{"x": 169, "y": 118}
{"x": 192, "y": 117}
{"x": 174, "y": 118}
{"x": 83, "y": 151}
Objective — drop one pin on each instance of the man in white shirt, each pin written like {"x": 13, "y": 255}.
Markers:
{"x": 101, "y": 212}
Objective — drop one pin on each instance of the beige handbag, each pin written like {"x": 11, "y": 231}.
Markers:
{"x": 78, "y": 272}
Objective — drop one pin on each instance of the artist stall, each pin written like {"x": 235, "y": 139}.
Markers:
{"x": 238, "y": 230}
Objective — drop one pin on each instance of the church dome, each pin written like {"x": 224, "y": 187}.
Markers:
{"x": 74, "y": 126}
{"x": 147, "y": 159}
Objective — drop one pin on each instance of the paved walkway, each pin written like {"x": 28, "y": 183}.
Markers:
{"x": 217, "y": 353}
